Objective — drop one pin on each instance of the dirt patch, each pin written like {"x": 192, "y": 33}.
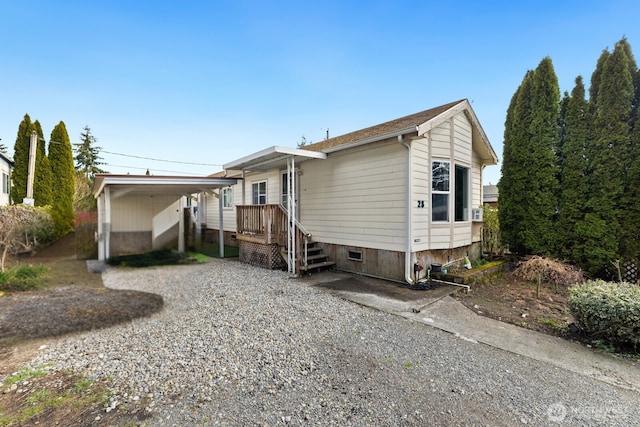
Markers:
{"x": 72, "y": 300}
{"x": 512, "y": 300}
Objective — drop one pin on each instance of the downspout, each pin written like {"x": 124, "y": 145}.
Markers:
{"x": 407, "y": 253}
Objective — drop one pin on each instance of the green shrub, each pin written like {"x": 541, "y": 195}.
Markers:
{"x": 607, "y": 311}
{"x": 23, "y": 277}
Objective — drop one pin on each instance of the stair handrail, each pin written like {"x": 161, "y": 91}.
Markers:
{"x": 303, "y": 231}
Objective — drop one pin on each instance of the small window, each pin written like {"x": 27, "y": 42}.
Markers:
{"x": 5, "y": 183}
{"x": 259, "y": 193}
{"x": 227, "y": 198}
{"x": 355, "y": 255}
{"x": 462, "y": 193}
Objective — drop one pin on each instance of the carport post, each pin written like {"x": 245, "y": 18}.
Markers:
{"x": 221, "y": 231}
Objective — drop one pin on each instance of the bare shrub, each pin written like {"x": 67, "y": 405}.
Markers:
{"x": 540, "y": 270}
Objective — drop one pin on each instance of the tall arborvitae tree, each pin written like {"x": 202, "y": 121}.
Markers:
{"x": 528, "y": 187}
{"x": 513, "y": 181}
{"x": 573, "y": 173}
{"x": 63, "y": 171}
{"x": 21, "y": 160}
{"x": 42, "y": 182}
{"x": 609, "y": 155}
{"x": 630, "y": 222}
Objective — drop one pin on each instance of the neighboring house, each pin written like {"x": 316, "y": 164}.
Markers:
{"x": 490, "y": 195}
{"x": 6, "y": 167}
{"x": 376, "y": 201}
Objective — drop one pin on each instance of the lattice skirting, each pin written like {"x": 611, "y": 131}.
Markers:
{"x": 630, "y": 272}
{"x": 266, "y": 256}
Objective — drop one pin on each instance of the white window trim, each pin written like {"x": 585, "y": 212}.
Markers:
{"x": 266, "y": 198}
{"x": 433, "y": 192}
{"x": 468, "y": 186}
{"x": 227, "y": 198}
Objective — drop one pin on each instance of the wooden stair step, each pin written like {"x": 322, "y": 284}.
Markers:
{"x": 315, "y": 257}
{"x": 317, "y": 265}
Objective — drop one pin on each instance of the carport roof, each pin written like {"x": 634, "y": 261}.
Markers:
{"x": 158, "y": 185}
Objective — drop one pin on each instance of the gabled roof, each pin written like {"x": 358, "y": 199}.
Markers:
{"x": 420, "y": 122}
{"x": 383, "y": 130}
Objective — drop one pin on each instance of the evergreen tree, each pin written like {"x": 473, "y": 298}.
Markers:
{"x": 63, "y": 171}
{"x": 529, "y": 171}
{"x": 609, "y": 155}
{"x": 88, "y": 155}
{"x": 573, "y": 173}
{"x": 21, "y": 160}
{"x": 513, "y": 181}
{"x": 42, "y": 182}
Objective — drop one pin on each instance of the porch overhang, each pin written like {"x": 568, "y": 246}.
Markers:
{"x": 272, "y": 158}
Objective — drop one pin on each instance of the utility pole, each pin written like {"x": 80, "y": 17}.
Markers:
{"x": 33, "y": 142}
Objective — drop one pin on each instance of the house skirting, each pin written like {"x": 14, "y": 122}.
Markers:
{"x": 130, "y": 242}
{"x": 444, "y": 256}
{"x": 372, "y": 262}
{"x": 390, "y": 264}
{"x": 211, "y": 236}
{"x": 261, "y": 255}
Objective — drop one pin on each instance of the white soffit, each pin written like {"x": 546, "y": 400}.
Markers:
{"x": 271, "y": 158}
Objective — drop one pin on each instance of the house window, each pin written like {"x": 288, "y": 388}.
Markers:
{"x": 5, "y": 183}
{"x": 227, "y": 198}
{"x": 259, "y": 193}
{"x": 440, "y": 191}
{"x": 461, "y": 193}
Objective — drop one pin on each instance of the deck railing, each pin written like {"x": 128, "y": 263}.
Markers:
{"x": 267, "y": 224}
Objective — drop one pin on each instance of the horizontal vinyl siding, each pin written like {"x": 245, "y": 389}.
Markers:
{"x": 441, "y": 141}
{"x": 427, "y": 235}
{"x": 420, "y": 185}
{"x": 356, "y": 197}
{"x": 229, "y": 215}
{"x": 132, "y": 213}
{"x": 462, "y": 139}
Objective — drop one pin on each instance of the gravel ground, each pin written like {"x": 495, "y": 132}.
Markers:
{"x": 238, "y": 345}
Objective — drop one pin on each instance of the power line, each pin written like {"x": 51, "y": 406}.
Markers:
{"x": 150, "y": 169}
{"x": 159, "y": 160}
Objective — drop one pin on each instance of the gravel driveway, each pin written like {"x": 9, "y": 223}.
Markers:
{"x": 238, "y": 345}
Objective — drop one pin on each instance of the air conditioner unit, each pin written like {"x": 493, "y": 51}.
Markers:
{"x": 476, "y": 215}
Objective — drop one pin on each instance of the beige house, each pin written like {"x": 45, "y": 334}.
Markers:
{"x": 376, "y": 201}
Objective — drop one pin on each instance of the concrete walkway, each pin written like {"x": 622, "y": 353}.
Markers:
{"x": 436, "y": 308}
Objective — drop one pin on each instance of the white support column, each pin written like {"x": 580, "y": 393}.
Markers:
{"x": 181, "y": 248}
{"x": 100, "y": 234}
{"x": 106, "y": 224}
{"x": 221, "y": 224}
{"x": 201, "y": 218}
{"x": 291, "y": 216}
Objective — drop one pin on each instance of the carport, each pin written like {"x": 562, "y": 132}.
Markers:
{"x": 138, "y": 213}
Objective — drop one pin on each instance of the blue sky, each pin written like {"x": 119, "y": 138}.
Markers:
{"x": 212, "y": 81}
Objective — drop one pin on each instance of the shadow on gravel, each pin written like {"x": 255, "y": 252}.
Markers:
{"x": 58, "y": 311}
